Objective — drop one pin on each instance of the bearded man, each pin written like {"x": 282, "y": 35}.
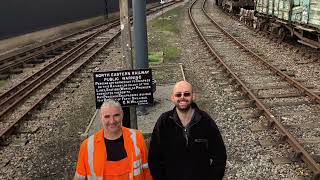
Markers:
{"x": 186, "y": 144}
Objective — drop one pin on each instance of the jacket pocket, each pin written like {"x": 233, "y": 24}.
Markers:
{"x": 201, "y": 151}
{"x": 201, "y": 142}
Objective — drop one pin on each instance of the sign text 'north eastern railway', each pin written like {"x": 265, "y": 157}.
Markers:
{"x": 129, "y": 87}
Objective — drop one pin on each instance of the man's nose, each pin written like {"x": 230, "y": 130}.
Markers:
{"x": 112, "y": 119}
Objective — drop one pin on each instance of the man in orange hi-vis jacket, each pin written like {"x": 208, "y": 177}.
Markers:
{"x": 114, "y": 152}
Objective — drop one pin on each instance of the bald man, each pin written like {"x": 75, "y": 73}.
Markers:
{"x": 114, "y": 152}
{"x": 186, "y": 143}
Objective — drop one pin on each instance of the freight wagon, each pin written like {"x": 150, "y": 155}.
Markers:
{"x": 235, "y": 5}
{"x": 298, "y": 18}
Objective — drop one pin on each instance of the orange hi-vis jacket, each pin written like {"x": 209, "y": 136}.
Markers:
{"x": 92, "y": 156}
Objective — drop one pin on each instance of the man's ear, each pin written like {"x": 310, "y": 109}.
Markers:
{"x": 194, "y": 96}
{"x": 171, "y": 97}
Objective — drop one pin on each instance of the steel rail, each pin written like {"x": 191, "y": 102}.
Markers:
{"x": 286, "y": 135}
{"x": 23, "y": 93}
{"x": 6, "y": 67}
{"x": 30, "y": 51}
{"x": 8, "y": 62}
{"x": 293, "y": 82}
{"x": 60, "y": 43}
{"x": 38, "y": 102}
{"x": 35, "y": 105}
{"x": 19, "y": 89}
{"x": 4, "y": 97}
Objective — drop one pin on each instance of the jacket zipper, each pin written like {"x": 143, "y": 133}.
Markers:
{"x": 185, "y": 132}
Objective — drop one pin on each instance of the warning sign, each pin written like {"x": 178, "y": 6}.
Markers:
{"x": 129, "y": 87}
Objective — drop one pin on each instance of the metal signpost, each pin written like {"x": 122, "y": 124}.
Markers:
{"x": 130, "y": 114}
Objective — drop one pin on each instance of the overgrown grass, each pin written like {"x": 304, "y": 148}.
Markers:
{"x": 155, "y": 57}
{"x": 163, "y": 36}
{"x": 2, "y": 82}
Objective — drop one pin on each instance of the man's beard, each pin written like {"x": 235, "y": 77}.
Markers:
{"x": 185, "y": 109}
{"x": 116, "y": 126}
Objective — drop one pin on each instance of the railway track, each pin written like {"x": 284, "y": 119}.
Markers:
{"x": 10, "y": 63}
{"x": 22, "y": 99}
{"x": 19, "y": 101}
{"x": 248, "y": 70}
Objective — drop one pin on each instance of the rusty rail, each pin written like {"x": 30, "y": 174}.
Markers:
{"x": 38, "y": 102}
{"x": 11, "y": 61}
{"x": 286, "y": 135}
{"x": 21, "y": 91}
{"x": 12, "y": 97}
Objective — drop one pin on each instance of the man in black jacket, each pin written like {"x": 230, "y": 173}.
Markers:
{"x": 186, "y": 143}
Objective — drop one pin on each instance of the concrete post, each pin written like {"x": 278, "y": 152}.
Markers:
{"x": 127, "y": 55}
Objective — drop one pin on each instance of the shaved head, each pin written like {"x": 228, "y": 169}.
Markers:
{"x": 182, "y": 85}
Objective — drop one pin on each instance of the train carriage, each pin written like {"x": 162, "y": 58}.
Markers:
{"x": 235, "y": 5}
{"x": 299, "y": 18}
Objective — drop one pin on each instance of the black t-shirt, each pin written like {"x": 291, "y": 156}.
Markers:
{"x": 115, "y": 149}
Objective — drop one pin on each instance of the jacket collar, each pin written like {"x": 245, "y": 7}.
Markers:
{"x": 195, "y": 118}
{"x": 101, "y": 156}
{"x": 99, "y": 136}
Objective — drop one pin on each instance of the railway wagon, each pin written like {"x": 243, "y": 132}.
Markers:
{"x": 299, "y": 18}
{"x": 235, "y": 5}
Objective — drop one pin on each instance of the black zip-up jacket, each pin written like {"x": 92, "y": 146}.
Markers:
{"x": 196, "y": 152}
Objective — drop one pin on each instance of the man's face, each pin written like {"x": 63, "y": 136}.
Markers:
{"x": 182, "y": 96}
{"x": 111, "y": 119}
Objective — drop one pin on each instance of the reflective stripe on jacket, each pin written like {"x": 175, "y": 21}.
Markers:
{"x": 93, "y": 155}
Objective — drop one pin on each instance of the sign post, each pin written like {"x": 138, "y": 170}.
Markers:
{"x": 106, "y": 9}
{"x": 130, "y": 117}
{"x": 125, "y": 27}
